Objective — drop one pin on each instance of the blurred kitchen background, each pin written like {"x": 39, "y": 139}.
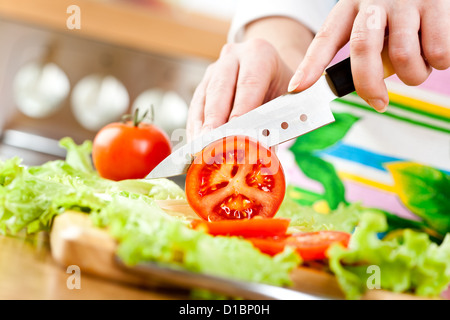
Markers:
{"x": 57, "y": 82}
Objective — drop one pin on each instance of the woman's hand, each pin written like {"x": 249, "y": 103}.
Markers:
{"x": 248, "y": 74}
{"x": 419, "y": 40}
{"x": 245, "y": 76}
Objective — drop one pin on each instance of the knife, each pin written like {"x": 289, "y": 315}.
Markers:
{"x": 279, "y": 120}
{"x": 229, "y": 287}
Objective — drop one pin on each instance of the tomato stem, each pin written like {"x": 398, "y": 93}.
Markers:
{"x": 135, "y": 116}
{"x": 136, "y": 119}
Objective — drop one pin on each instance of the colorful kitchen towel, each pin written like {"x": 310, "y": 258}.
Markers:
{"x": 398, "y": 161}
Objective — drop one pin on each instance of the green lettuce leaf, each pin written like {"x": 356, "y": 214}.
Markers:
{"x": 407, "y": 262}
{"x": 31, "y": 196}
{"x": 306, "y": 218}
{"x": 9, "y": 170}
{"x": 345, "y": 217}
{"x": 78, "y": 156}
{"x": 37, "y": 194}
{"x": 159, "y": 189}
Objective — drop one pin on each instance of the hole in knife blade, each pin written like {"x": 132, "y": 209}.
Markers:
{"x": 303, "y": 117}
{"x": 265, "y": 132}
{"x": 284, "y": 125}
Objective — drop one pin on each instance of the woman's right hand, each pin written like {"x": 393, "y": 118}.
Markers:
{"x": 245, "y": 76}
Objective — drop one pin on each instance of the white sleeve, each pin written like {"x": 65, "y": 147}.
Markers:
{"x": 311, "y": 13}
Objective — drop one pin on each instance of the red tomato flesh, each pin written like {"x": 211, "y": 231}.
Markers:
{"x": 258, "y": 227}
{"x": 314, "y": 245}
{"x": 235, "y": 178}
{"x": 309, "y": 245}
{"x": 269, "y": 245}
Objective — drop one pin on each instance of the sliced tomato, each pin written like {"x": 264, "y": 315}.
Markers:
{"x": 309, "y": 245}
{"x": 269, "y": 245}
{"x": 314, "y": 245}
{"x": 257, "y": 227}
{"x": 235, "y": 178}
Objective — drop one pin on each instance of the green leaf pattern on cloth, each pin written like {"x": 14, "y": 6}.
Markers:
{"x": 318, "y": 169}
{"x": 425, "y": 191}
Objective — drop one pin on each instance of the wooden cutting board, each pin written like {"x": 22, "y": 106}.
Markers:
{"x": 75, "y": 241}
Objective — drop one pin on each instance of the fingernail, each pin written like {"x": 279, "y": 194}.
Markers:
{"x": 295, "y": 80}
{"x": 378, "y": 104}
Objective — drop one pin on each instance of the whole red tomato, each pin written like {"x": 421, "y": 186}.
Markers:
{"x": 129, "y": 149}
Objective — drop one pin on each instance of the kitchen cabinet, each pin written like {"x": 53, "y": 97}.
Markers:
{"x": 153, "y": 27}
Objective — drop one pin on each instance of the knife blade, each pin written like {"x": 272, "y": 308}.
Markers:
{"x": 279, "y": 120}
{"x": 229, "y": 287}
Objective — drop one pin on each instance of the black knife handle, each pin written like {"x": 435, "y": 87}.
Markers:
{"x": 340, "y": 75}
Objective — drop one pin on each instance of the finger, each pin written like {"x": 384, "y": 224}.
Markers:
{"x": 404, "y": 45}
{"x": 435, "y": 36}
{"x": 333, "y": 35}
{"x": 220, "y": 90}
{"x": 254, "y": 78}
{"x": 196, "y": 108}
{"x": 366, "y": 44}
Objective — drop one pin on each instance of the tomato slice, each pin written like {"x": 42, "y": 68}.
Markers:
{"x": 235, "y": 178}
{"x": 270, "y": 245}
{"x": 258, "y": 227}
{"x": 309, "y": 245}
{"x": 314, "y": 245}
